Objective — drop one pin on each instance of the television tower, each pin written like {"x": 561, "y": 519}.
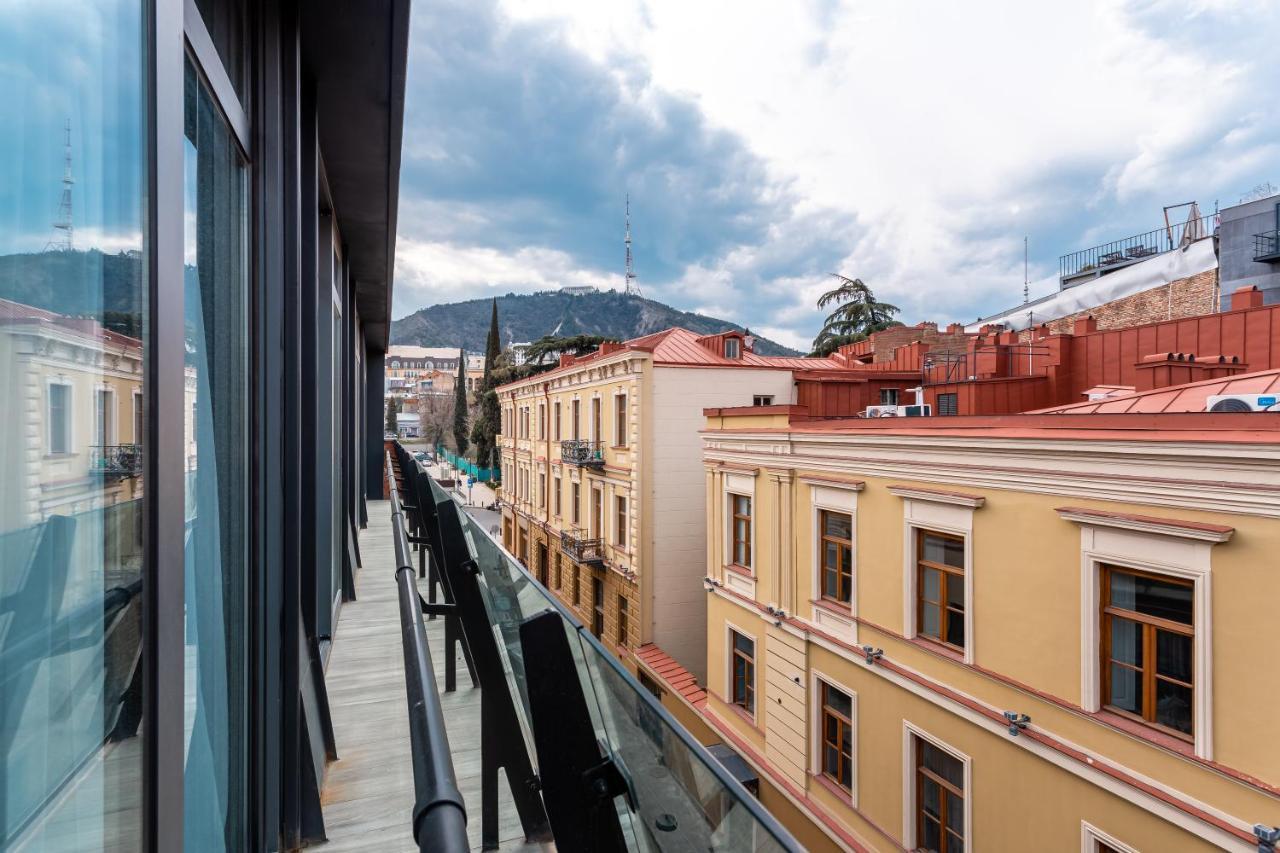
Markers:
{"x": 64, "y": 230}
{"x": 632, "y": 289}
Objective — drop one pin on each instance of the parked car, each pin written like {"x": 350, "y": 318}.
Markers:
{"x": 422, "y": 456}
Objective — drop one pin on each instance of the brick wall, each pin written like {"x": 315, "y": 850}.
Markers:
{"x": 884, "y": 343}
{"x": 1186, "y": 297}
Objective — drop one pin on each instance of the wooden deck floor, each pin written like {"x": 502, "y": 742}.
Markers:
{"x": 368, "y": 791}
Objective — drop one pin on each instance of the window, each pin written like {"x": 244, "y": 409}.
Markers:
{"x": 542, "y": 489}
{"x": 1148, "y": 643}
{"x": 948, "y": 404}
{"x": 555, "y": 419}
{"x": 888, "y": 396}
{"x": 732, "y": 348}
{"x": 620, "y": 521}
{"x": 741, "y": 530}
{"x": 940, "y": 587}
{"x": 620, "y": 420}
{"x": 558, "y": 575}
{"x": 59, "y": 418}
{"x": 622, "y": 620}
{"x": 555, "y": 500}
{"x": 596, "y": 432}
{"x": 542, "y": 421}
{"x": 597, "y": 607}
{"x": 762, "y": 400}
{"x": 939, "y": 799}
{"x": 575, "y": 584}
{"x": 837, "y": 736}
{"x": 836, "y": 544}
{"x": 139, "y": 424}
{"x": 649, "y": 684}
{"x": 102, "y": 402}
{"x": 743, "y": 672}
{"x": 576, "y": 413}
{"x": 597, "y": 512}
{"x": 577, "y": 503}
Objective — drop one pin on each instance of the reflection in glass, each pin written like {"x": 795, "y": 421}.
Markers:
{"x": 216, "y": 553}
{"x": 71, "y": 356}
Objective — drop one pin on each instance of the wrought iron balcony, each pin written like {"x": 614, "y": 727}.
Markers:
{"x": 577, "y": 451}
{"x": 582, "y": 548}
{"x": 116, "y": 460}
{"x": 1266, "y": 246}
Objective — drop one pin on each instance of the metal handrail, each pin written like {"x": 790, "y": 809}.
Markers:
{"x": 439, "y": 812}
{"x": 1128, "y": 250}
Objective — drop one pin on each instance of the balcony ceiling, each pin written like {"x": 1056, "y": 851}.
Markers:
{"x": 357, "y": 53}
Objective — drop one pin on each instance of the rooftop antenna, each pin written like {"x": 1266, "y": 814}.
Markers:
{"x": 1026, "y": 281}
{"x": 64, "y": 230}
{"x": 632, "y": 288}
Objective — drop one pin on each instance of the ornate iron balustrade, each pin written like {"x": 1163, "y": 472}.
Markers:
{"x": 116, "y": 460}
{"x": 577, "y": 451}
{"x": 582, "y": 548}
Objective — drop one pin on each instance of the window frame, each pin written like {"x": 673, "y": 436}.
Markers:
{"x": 912, "y": 737}
{"x": 620, "y": 419}
{"x": 555, "y": 419}
{"x": 737, "y": 347}
{"x": 576, "y": 491}
{"x": 621, "y": 520}
{"x": 762, "y": 399}
{"x": 597, "y": 607}
{"x": 68, "y": 416}
{"x": 556, "y": 499}
{"x": 110, "y": 433}
{"x": 823, "y": 568}
{"x": 747, "y": 705}
{"x": 1094, "y": 840}
{"x": 748, "y": 541}
{"x": 624, "y": 611}
{"x": 1148, "y": 669}
{"x": 822, "y": 685}
{"x": 946, "y": 571}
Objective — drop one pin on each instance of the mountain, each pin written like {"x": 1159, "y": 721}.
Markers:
{"x": 527, "y": 317}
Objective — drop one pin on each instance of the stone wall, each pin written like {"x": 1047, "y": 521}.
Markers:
{"x": 1186, "y": 297}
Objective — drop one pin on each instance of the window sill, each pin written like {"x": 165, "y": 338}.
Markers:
{"x": 1145, "y": 731}
{"x": 739, "y": 570}
{"x": 845, "y": 795}
{"x": 745, "y": 715}
{"x": 67, "y": 455}
{"x": 939, "y": 647}
{"x": 844, "y": 609}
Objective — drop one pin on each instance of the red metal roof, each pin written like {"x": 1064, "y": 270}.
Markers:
{"x": 675, "y": 675}
{"x": 1190, "y": 397}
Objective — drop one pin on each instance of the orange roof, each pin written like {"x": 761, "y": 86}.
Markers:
{"x": 19, "y": 313}
{"x": 676, "y": 676}
{"x": 1190, "y": 397}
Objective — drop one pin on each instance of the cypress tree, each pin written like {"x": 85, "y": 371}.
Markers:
{"x": 460, "y": 405}
{"x": 484, "y": 432}
{"x": 392, "y": 426}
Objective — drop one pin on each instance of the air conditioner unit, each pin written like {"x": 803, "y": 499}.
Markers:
{"x": 1242, "y": 403}
{"x": 880, "y": 412}
{"x": 916, "y": 410}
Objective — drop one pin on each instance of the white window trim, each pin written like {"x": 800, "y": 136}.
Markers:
{"x": 595, "y": 399}
{"x": 909, "y": 733}
{"x": 832, "y": 498}
{"x": 944, "y": 517}
{"x": 626, "y": 413}
{"x": 620, "y": 537}
{"x": 1090, "y": 836}
{"x": 110, "y": 415}
{"x": 729, "y": 630}
{"x": 69, "y": 442}
{"x": 743, "y": 485}
{"x": 1174, "y": 556}
{"x": 816, "y": 679}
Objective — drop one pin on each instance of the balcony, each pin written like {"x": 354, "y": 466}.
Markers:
{"x": 577, "y": 451}
{"x": 1266, "y": 246}
{"x": 497, "y": 679}
{"x": 584, "y": 549}
{"x": 115, "y": 461}
{"x": 1080, "y": 266}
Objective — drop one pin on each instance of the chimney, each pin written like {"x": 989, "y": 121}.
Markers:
{"x": 1248, "y": 296}
{"x": 1084, "y": 325}
{"x": 608, "y": 347}
{"x": 566, "y": 359}
{"x": 955, "y": 329}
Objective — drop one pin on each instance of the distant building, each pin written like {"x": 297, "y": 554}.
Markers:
{"x": 1249, "y": 248}
{"x": 579, "y": 289}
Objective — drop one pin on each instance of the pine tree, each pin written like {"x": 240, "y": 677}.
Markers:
{"x": 460, "y": 405}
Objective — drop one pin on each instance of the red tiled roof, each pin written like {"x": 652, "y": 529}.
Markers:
{"x": 17, "y": 313}
{"x": 676, "y": 676}
{"x": 1190, "y": 397}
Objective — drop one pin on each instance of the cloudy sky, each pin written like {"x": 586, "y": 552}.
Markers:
{"x": 766, "y": 144}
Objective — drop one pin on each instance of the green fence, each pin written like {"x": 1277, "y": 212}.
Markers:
{"x": 466, "y": 466}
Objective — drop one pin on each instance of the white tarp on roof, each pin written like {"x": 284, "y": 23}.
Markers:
{"x": 1182, "y": 263}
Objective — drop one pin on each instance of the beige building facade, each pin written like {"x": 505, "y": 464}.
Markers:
{"x": 1037, "y": 632}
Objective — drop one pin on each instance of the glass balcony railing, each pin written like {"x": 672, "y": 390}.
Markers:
{"x": 609, "y": 768}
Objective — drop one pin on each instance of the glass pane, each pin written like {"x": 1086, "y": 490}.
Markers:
{"x": 1153, "y": 597}
{"x": 831, "y": 760}
{"x": 830, "y": 583}
{"x": 1173, "y": 705}
{"x": 227, "y": 23}
{"x": 838, "y": 524}
{"x": 943, "y": 763}
{"x": 1126, "y": 689}
{"x": 955, "y": 591}
{"x": 932, "y": 584}
{"x": 955, "y": 628}
{"x": 1126, "y": 641}
{"x": 930, "y": 835}
{"x": 930, "y": 797}
{"x": 942, "y": 549}
{"x": 744, "y": 645}
{"x": 955, "y": 813}
{"x": 839, "y": 701}
{"x": 216, "y": 247}
{"x": 1173, "y": 655}
{"x": 72, "y": 312}
{"x": 931, "y": 623}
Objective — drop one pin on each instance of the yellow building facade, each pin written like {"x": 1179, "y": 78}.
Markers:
{"x": 1001, "y": 634}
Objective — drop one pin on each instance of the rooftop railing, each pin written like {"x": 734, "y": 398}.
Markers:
{"x": 1266, "y": 246}
{"x": 1109, "y": 257}
{"x": 593, "y": 760}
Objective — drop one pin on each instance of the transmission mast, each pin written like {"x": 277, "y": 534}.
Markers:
{"x": 64, "y": 229}
{"x": 632, "y": 289}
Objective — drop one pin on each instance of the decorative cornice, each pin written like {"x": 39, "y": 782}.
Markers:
{"x": 1147, "y": 524}
{"x": 916, "y": 493}
{"x": 834, "y": 482}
